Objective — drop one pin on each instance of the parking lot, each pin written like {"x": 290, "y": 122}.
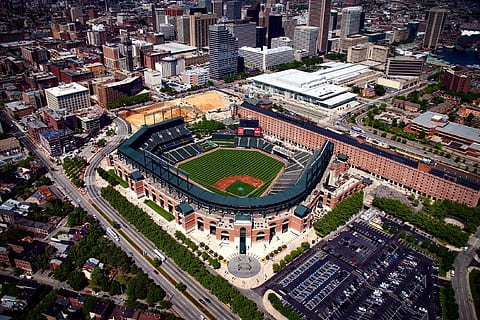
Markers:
{"x": 361, "y": 273}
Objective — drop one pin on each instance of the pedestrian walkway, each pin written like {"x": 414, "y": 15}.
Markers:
{"x": 243, "y": 266}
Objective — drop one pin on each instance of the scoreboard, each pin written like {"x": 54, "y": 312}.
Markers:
{"x": 249, "y": 132}
{"x": 249, "y": 128}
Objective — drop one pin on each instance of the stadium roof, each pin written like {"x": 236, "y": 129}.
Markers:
{"x": 301, "y": 211}
{"x": 184, "y": 208}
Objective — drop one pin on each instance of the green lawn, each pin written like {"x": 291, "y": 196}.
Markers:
{"x": 122, "y": 182}
{"x": 168, "y": 216}
{"x": 240, "y": 188}
{"x": 214, "y": 166}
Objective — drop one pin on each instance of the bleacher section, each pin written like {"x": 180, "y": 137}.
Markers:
{"x": 253, "y": 142}
{"x": 292, "y": 172}
{"x": 181, "y": 153}
{"x": 172, "y": 135}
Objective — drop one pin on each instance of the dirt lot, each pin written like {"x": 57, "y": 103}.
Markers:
{"x": 189, "y": 107}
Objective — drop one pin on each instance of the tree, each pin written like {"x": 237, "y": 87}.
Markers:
{"x": 379, "y": 90}
{"x": 154, "y": 294}
{"x": 41, "y": 262}
{"x": 180, "y": 286}
{"x": 77, "y": 280}
{"x": 136, "y": 288}
{"x": 17, "y": 271}
{"x": 165, "y": 304}
{"x": 97, "y": 278}
{"x": 115, "y": 288}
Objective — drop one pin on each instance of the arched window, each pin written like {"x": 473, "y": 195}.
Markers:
{"x": 200, "y": 223}
{"x": 213, "y": 227}
{"x": 224, "y": 235}
{"x": 260, "y": 236}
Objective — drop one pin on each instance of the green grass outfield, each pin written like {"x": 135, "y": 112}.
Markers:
{"x": 207, "y": 169}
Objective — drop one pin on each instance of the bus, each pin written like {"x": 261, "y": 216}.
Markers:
{"x": 159, "y": 255}
{"x": 356, "y": 129}
{"x": 113, "y": 234}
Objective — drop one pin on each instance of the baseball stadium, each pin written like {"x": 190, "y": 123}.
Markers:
{"x": 245, "y": 192}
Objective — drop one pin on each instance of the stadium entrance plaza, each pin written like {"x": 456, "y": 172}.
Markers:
{"x": 236, "y": 272}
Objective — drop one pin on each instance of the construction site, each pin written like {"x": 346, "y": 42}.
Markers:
{"x": 190, "y": 107}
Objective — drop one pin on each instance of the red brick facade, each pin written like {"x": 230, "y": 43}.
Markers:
{"x": 222, "y": 227}
{"x": 398, "y": 173}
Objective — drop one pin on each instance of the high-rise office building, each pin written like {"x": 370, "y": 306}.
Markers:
{"x": 97, "y": 36}
{"x": 234, "y": 10}
{"x": 126, "y": 49}
{"x": 275, "y": 28}
{"x": 217, "y": 7}
{"x": 207, "y": 4}
{"x": 199, "y": 24}
{"x": 351, "y": 21}
{"x": 319, "y": 16}
{"x": 261, "y": 33}
{"x": 413, "y": 29}
{"x": 404, "y": 66}
{"x": 435, "y": 22}
{"x": 288, "y": 26}
{"x": 158, "y": 18}
{"x": 70, "y": 96}
{"x": 244, "y": 31}
{"x": 305, "y": 38}
{"x": 183, "y": 29}
{"x": 223, "y": 52}
{"x": 333, "y": 20}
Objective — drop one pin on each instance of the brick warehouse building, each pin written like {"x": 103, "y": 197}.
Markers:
{"x": 418, "y": 176}
{"x": 142, "y": 162}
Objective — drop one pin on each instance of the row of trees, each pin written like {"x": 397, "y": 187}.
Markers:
{"x": 183, "y": 257}
{"x": 206, "y": 127}
{"x": 290, "y": 257}
{"x": 212, "y": 257}
{"x": 470, "y": 216}
{"x": 436, "y": 227}
{"x": 129, "y": 101}
{"x": 73, "y": 169}
{"x": 445, "y": 257}
{"x": 111, "y": 177}
{"x": 339, "y": 215}
{"x": 449, "y": 304}
{"x": 304, "y": 65}
{"x": 286, "y": 311}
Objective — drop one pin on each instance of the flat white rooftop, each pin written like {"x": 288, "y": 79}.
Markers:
{"x": 174, "y": 47}
{"x": 66, "y": 89}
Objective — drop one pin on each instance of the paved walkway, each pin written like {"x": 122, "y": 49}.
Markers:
{"x": 244, "y": 266}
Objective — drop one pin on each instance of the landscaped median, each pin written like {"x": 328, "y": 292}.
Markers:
{"x": 182, "y": 257}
